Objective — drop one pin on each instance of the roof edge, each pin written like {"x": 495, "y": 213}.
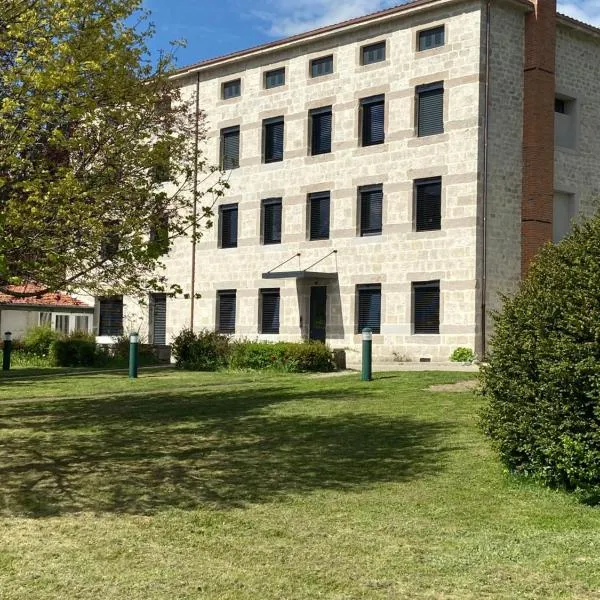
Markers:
{"x": 324, "y": 32}
{"x": 577, "y": 24}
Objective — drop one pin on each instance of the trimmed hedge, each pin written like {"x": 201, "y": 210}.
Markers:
{"x": 542, "y": 382}
{"x": 210, "y": 351}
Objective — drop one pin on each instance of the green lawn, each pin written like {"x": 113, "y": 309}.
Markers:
{"x": 235, "y": 486}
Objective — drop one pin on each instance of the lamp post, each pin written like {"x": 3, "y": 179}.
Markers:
{"x": 367, "y": 355}
{"x": 7, "y": 351}
{"x": 134, "y": 340}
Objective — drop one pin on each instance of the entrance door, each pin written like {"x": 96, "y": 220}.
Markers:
{"x": 318, "y": 313}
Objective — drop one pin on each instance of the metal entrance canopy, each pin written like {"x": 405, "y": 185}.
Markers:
{"x": 301, "y": 273}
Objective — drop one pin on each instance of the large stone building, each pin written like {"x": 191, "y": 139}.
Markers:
{"x": 397, "y": 171}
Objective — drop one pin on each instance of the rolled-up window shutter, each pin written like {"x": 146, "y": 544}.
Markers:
{"x": 430, "y": 100}
{"x": 369, "y": 307}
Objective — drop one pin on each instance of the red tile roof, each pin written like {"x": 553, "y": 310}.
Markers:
{"x": 47, "y": 299}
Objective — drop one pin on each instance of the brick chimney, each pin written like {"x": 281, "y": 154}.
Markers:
{"x": 538, "y": 130}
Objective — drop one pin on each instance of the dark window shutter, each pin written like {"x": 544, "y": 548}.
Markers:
{"x": 369, "y": 307}
{"x": 230, "y": 157}
{"x": 158, "y": 305}
{"x": 229, "y": 226}
{"x": 321, "y": 131}
{"x": 426, "y": 301}
{"x": 430, "y": 109}
{"x": 373, "y": 125}
{"x": 273, "y": 131}
{"x": 226, "y": 311}
{"x": 270, "y": 311}
{"x": 429, "y": 204}
{"x": 431, "y": 38}
{"x": 371, "y": 210}
{"x": 111, "y": 316}
{"x": 319, "y": 216}
{"x": 272, "y": 221}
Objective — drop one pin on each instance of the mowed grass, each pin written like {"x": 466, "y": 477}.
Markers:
{"x": 237, "y": 486}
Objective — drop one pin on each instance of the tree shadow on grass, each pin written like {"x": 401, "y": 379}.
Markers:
{"x": 218, "y": 449}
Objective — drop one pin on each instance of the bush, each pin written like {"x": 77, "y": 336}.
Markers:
{"x": 117, "y": 355}
{"x": 37, "y": 340}
{"x": 282, "y": 356}
{"x": 203, "y": 351}
{"x": 542, "y": 383}
{"x": 75, "y": 350}
{"x": 463, "y": 355}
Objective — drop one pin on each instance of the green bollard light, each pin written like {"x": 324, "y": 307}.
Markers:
{"x": 134, "y": 339}
{"x": 7, "y": 350}
{"x": 367, "y": 355}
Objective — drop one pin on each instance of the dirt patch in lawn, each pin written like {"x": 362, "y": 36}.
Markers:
{"x": 461, "y": 386}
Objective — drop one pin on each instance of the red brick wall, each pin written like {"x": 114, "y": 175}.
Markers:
{"x": 538, "y": 130}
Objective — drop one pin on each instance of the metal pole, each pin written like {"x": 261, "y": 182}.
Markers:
{"x": 7, "y": 351}
{"x": 367, "y": 355}
{"x": 134, "y": 339}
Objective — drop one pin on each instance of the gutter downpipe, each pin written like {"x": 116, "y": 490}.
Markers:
{"x": 195, "y": 203}
{"x": 488, "y": 22}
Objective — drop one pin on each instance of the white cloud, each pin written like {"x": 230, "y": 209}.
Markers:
{"x": 287, "y": 17}
{"x": 584, "y": 10}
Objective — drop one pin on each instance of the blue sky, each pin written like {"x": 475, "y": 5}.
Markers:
{"x": 213, "y": 28}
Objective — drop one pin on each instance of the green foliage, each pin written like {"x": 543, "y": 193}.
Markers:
{"x": 202, "y": 351}
{"x": 282, "y": 356}
{"x": 37, "y": 341}
{"x": 117, "y": 355}
{"x": 542, "y": 383}
{"x": 463, "y": 355}
{"x": 24, "y": 360}
{"x": 80, "y": 101}
{"x": 75, "y": 350}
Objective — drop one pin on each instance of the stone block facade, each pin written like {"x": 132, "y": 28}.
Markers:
{"x": 480, "y": 157}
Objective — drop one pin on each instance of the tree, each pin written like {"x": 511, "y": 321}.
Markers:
{"x": 542, "y": 382}
{"x": 88, "y": 124}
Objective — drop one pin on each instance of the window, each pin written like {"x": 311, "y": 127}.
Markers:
{"x": 228, "y": 226}
{"x": 372, "y": 120}
{"x": 232, "y": 89}
{"x": 226, "y": 311}
{"x": 428, "y": 197}
{"x": 320, "y": 120}
{"x": 426, "y": 307}
{"x": 273, "y": 139}
{"x": 319, "y": 206}
{"x": 111, "y": 316}
{"x": 431, "y": 38}
{"x": 369, "y": 307}
{"x": 373, "y": 53}
{"x": 563, "y": 215}
{"x": 321, "y": 66}
{"x": 61, "y": 323}
{"x": 271, "y": 221}
{"x": 430, "y": 109}
{"x": 161, "y": 159}
{"x": 159, "y": 234}
{"x": 269, "y": 310}
{"x": 45, "y": 319}
{"x": 158, "y": 319}
{"x": 565, "y": 122}
{"x": 82, "y": 323}
{"x": 275, "y": 78}
{"x": 230, "y": 148}
{"x": 371, "y": 209}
